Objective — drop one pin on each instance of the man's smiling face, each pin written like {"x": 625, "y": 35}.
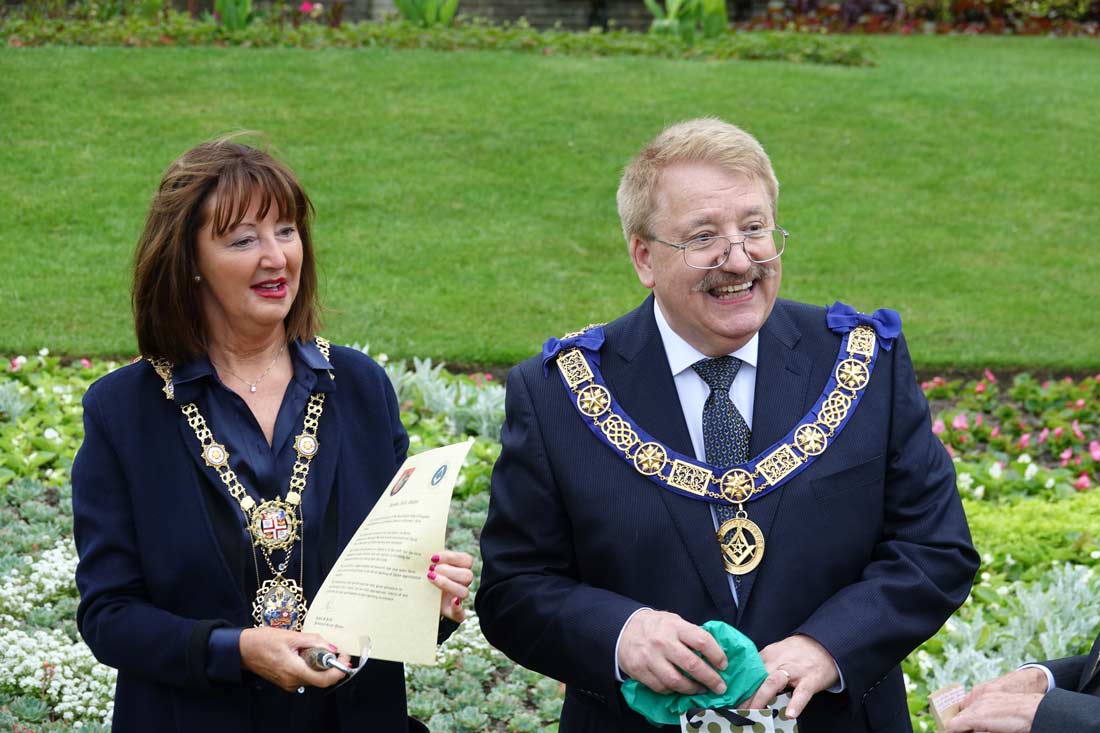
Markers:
{"x": 716, "y": 311}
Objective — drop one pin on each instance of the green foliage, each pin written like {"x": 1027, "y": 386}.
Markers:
{"x": 234, "y": 15}
{"x": 685, "y": 18}
{"x": 179, "y": 29}
{"x": 427, "y": 13}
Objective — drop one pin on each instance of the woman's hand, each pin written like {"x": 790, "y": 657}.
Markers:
{"x": 451, "y": 572}
{"x": 273, "y": 655}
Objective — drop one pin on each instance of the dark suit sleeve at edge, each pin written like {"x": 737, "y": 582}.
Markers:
{"x": 118, "y": 622}
{"x": 531, "y": 603}
{"x": 924, "y": 564}
{"x": 1062, "y": 711}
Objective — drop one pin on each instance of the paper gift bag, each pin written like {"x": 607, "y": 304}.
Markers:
{"x": 765, "y": 720}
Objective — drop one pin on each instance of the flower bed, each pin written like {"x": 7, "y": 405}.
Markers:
{"x": 1032, "y": 515}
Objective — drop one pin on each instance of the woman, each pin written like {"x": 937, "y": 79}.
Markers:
{"x": 221, "y": 476}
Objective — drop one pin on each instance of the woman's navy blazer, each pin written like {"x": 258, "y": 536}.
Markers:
{"x": 152, "y": 577}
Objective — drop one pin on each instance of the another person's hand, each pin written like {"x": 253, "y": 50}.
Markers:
{"x": 273, "y": 655}
{"x": 797, "y": 662}
{"x": 661, "y": 651}
{"x": 451, "y": 571}
{"x": 1004, "y": 705}
{"x": 997, "y": 712}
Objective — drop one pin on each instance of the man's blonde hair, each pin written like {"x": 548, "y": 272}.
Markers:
{"x": 702, "y": 140}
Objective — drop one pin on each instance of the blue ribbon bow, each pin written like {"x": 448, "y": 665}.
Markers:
{"x": 843, "y": 318}
{"x": 590, "y": 340}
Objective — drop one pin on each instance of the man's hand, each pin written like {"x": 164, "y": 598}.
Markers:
{"x": 997, "y": 712}
{"x": 661, "y": 650}
{"x": 797, "y": 662}
{"x": 1004, "y": 705}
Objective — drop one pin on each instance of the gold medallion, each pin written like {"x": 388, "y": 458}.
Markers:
{"x": 215, "y": 455}
{"x": 306, "y": 445}
{"x": 274, "y": 524}
{"x": 650, "y": 458}
{"x": 742, "y": 545}
{"x": 280, "y": 604}
{"x": 594, "y": 400}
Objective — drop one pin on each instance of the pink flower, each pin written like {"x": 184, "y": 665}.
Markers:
{"x": 14, "y": 367}
{"x": 964, "y": 439}
{"x": 1082, "y": 483}
{"x": 989, "y": 376}
{"x": 1077, "y": 430}
{"x": 1079, "y": 404}
{"x": 1025, "y": 440}
{"x": 1065, "y": 456}
{"x": 306, "y": 6}
{"x": 1058, "y": 432}
{"x": 980, "y": 387}
{"x": 996, "y": 431}
{"x": 979, "y": 420}
{"x": 1043, "y": 435}
{"x": 1094, "y": 450}
{"x": 938, "y": 428}
{"x": 961, "y": 422}
{"x": 86, "y": 363}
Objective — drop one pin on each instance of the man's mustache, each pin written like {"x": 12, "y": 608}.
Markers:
{"x": 718, "y": 279}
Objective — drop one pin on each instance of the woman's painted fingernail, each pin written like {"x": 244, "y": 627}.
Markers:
{"x": 457, "y": 602}
{"x": 435, "y": 558}
{"x": 431, "y": 575}
{"x": 332, "y": 647}
{"x": 431, "y": 567}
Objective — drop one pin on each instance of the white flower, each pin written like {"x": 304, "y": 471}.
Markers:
{"x": 1009, "y": 560}
{"x": 383, "y": 358}
{"x": 1095, "y": 554}
{"x": 995, "y": 471}
{"x": 979, "y": 492}
{"x": 1049, "y": 483}
{"x": 52, "y": 434}
{"x": 965, "y": 481}
{"x": 1024, "y": 458}
{"x": 1031, "y": 471}
{"x": 43, "y": 352}
{"x": 20, "y": 360}
{"x": 987, "y": 558}
{"x": 986, "y": 577}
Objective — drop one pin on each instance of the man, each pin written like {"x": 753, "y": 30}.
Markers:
{"x": 617, "y": 525}
{"x": 1053, "y": 697}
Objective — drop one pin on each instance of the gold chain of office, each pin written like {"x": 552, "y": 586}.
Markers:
{"x": 741, "y": 552}
{"x": 275, "y": 523}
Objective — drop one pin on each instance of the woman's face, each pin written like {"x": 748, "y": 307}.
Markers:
{"x": 250, "y": 273}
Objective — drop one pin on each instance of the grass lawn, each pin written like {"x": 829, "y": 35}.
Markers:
{"x": 466, "y": 201}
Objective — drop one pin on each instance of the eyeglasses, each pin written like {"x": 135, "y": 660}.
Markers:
{"x": 708, "y": 251}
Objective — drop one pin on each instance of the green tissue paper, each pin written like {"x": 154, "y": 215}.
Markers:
{"x": 744, "y": 673}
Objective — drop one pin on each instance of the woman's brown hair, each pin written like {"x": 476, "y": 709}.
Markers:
{"x": 229, "y": 175}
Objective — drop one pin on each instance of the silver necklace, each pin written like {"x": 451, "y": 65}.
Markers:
{"x": 253, "y": 385}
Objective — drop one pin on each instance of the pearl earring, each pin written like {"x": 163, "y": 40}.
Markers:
{"x": 198, "y": 278}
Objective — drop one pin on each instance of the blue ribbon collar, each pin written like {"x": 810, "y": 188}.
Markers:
{"x": 842, "y": 318}
{"x": 577, "y": 358}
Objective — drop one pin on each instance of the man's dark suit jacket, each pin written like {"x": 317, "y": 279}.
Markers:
{"x": 153, "y": 580}
{"x": 1074, "y": 705}
{"x": 868, "y": 550}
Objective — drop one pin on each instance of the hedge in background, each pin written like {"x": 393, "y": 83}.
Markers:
{"x": 179, "y": 29}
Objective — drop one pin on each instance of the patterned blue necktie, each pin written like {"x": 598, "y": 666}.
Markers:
{"x": 725, "y": 433}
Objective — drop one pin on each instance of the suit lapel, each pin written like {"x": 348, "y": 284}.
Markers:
{"x": 636, "y": 369}
{"x": 782, "y": 381}
{"x": 193, "y": 448}
{"x": 1092, "y": 666}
